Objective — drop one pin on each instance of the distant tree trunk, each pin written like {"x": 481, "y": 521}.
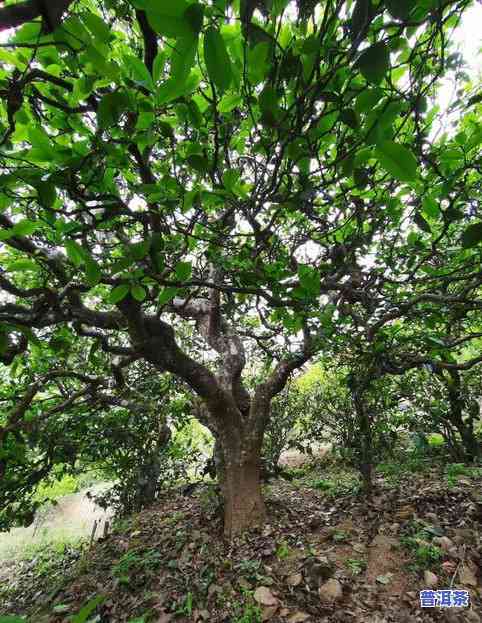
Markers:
{"x": 366, "y": 440}
{"x": 465, "y": 427}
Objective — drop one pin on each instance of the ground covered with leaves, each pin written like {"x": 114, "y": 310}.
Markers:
{"x": 328, "y": 554}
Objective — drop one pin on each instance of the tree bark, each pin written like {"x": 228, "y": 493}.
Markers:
{"x": 366, "y": 442}
{"x": 240, "y": 481}
{"x": 465, "y": 427}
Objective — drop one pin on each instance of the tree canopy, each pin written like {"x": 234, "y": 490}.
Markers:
{"x": 188, "y": 183}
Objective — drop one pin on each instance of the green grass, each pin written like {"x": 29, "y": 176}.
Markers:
{"x": 417, "y": 542}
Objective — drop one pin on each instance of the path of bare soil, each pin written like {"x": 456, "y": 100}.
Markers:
{"x": 71, "y": 518}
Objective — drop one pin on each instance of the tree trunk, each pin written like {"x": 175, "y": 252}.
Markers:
{"x": 244, "y": 506}
{"x": 239, "y": 476}
{"x": 365, "y": 444}
{"x": 465, "y": 428}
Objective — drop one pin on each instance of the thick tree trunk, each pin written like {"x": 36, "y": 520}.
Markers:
{"x": 244, "y": 506}
{"x": 239, "y": 476}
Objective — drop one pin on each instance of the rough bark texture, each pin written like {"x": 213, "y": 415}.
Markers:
{"x": 243, "y": 502}
{"x": 465, "y": 427}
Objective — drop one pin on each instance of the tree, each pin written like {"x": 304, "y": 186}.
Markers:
{"x": 191, "y": 165}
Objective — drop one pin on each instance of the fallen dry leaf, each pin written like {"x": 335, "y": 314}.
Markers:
{"x": 298, "y": 617}
{"x": 265, "y": 597}
{"x": 430, "y": 579}
{"x": 294, "y": 580}
{"x": 467, "y": 575}
{"x": 268, "y": 612}
{"x": 330, "y": 590}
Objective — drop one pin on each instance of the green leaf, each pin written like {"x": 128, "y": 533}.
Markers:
{"x": 229, "y": 102}
{"x": 231, "y": 178}
{"x": 97, "y": 26}
{"x": 350, "y": 118}
{"x": 46, "y": 193}
{"x": 138, "y": 292}
{"x": 198, "y": 162}
{"x": 400, "y": 9}
{"x": 158, "y": 66}
{"x": 172, "y": 18}
{"x": 25, "y": 227}
{"x": 84, "y": 614}
{"x": 12, "y": 619}
{"x": 182, "y": 59}
{"x": 430, "y": 207}
{"x": 75, "y": 252}
{"x": 368, "y": 99}
{"x": 374, "y": 62}
{"x": 258, "y": 62}
{"x": 110, "y": 108}
{"x": 361, "y": 17}
{"x": 92, "y": 271}
{"x": 268, "y": 103}
{"x": 119, "y": 293}
{"x": 194, "y": 14}
{"x": 139, "y": 71}
{"x": 422, "y": 223}
{"x": 309, "y": 279}
{"x": 23, "y": 265}
{"x": 472, "y": 235}
{"x": 217, "y": 60}
{"x": 183, "y": 270}
{"x": 166, "y": 295}
{"x": 397, "y": 160}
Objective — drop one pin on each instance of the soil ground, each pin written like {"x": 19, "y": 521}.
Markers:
{"x": 327, "y": 554}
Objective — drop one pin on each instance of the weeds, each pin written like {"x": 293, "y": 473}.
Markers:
{"x": 135, "y": 560}
{"x": 247, "y": 611}
{"x": 454, "y": 470}
{"x": 283, "y": 550}
{"x": 187, "y": 606}
{"x": 424, "y": 553}
{"x": 356, "y": 566}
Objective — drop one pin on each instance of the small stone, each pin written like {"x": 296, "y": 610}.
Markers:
{"x": 472, "y": 617}
{"x": 431, "y": 580}
{"x": 330, "y": 590}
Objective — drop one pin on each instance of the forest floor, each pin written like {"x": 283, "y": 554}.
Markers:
{"x": 327, "y": 554}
